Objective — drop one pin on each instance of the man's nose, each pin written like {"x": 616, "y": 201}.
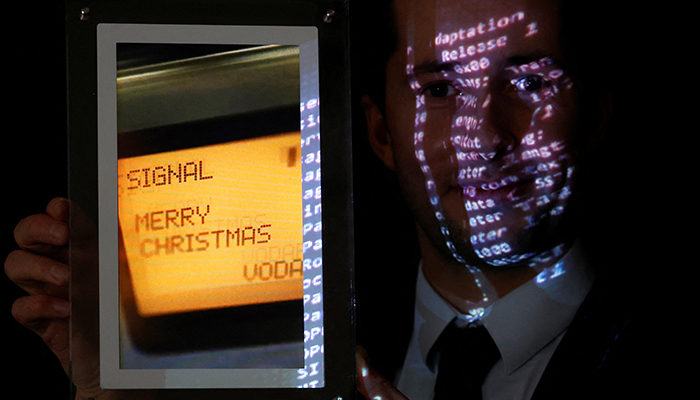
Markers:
{"x": 480, "y": 132}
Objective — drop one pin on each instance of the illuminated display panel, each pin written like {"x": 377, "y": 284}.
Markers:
{"x": 224, "y": 225}
{"x": 213, "y": 227}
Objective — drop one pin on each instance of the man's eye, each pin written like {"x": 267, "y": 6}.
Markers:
{"x": 441, "y": 89}
{"x": 529, "y": 83}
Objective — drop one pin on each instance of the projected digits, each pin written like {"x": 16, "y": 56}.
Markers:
{"x": 493, "y": 140}
{"x": 531, "y": 176}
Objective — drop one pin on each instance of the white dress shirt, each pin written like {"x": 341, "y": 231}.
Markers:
{"x": 526, "y": 325}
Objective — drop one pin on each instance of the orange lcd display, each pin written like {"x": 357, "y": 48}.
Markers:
{"x": 214, "y": 226}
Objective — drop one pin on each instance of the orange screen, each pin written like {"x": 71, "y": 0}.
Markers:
{"x": 214, "y": 226}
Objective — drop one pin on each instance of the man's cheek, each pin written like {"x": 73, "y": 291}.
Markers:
{"x": 433, "y": 146}
{"x": 438, "y": 124}
{"x": 511, "y": 116}
{"x": 548, "y": 136}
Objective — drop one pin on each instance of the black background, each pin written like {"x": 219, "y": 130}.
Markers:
{"x": 35, "y": 172}
{"x": 652, "y": 188}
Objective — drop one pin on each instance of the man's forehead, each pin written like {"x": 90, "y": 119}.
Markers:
{"x": 428, "y": 27}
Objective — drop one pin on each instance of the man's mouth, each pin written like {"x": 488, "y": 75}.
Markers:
{"x": 507, "y": 189}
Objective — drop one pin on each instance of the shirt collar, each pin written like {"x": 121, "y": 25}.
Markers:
{"x": 522, "y": 322}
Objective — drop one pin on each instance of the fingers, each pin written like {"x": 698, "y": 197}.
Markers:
{"x": 41, "y": 234}
{"x": 39, "y": 312}
{"x": 48, "y": 233}
{"x": 59, "y": 209}
{"x": 40, "y": 267}
{"x": 37, "y": 274}
{"x": 41, "y": 229}
{"x": 372, "y": 385}
{"x": 32, "y": 311}
{"x": 47, "y": 316}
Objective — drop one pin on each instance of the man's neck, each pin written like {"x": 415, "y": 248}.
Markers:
{"x": 456, "y": 284}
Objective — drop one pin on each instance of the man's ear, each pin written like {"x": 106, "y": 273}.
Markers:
{"x": 378, "y": 132}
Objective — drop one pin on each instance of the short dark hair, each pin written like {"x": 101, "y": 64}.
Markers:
{"x": 587, "y": 29}
{"x": 373, "y": 39}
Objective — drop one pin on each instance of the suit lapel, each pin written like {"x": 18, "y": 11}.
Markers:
{"x": 585, "y": 364}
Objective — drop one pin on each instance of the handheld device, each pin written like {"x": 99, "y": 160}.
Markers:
{"x": 203, "y": 132}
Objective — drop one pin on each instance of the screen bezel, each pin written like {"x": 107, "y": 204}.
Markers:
{"x": 280, "y": 322}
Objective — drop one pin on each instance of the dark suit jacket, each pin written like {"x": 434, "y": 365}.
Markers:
{"x": 608, "y": 352}
{"x": 625, "y": 341}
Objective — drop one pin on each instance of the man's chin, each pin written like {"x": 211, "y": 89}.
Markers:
{"x": 495, "y": 249}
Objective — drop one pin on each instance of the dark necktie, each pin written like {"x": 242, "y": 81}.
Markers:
{"x": 466, "y": 357}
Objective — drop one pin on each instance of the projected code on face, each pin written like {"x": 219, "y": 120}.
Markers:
{"x": 492, "y": 124}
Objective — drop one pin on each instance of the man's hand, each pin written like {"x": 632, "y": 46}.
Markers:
{"x": 372, "y": 385}
{"x": 41, "y": 268}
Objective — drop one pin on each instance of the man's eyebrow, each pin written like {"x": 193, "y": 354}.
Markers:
{"x": 433, "y": 66}
{"x": 523, "y": 59}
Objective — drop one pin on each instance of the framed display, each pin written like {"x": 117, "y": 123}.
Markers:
{"x": 199, "y": 137}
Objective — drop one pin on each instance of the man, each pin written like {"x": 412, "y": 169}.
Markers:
{"x": 488, "y": 118}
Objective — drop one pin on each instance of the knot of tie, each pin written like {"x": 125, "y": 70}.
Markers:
{"x": 466, "y": 355}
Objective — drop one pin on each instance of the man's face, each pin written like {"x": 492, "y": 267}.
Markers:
{"x": 482, "y": 121}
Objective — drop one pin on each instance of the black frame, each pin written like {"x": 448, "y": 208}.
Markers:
{"x": 331, "y": 20}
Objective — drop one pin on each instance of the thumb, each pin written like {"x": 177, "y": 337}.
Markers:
{"x": 372, "y": 385}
